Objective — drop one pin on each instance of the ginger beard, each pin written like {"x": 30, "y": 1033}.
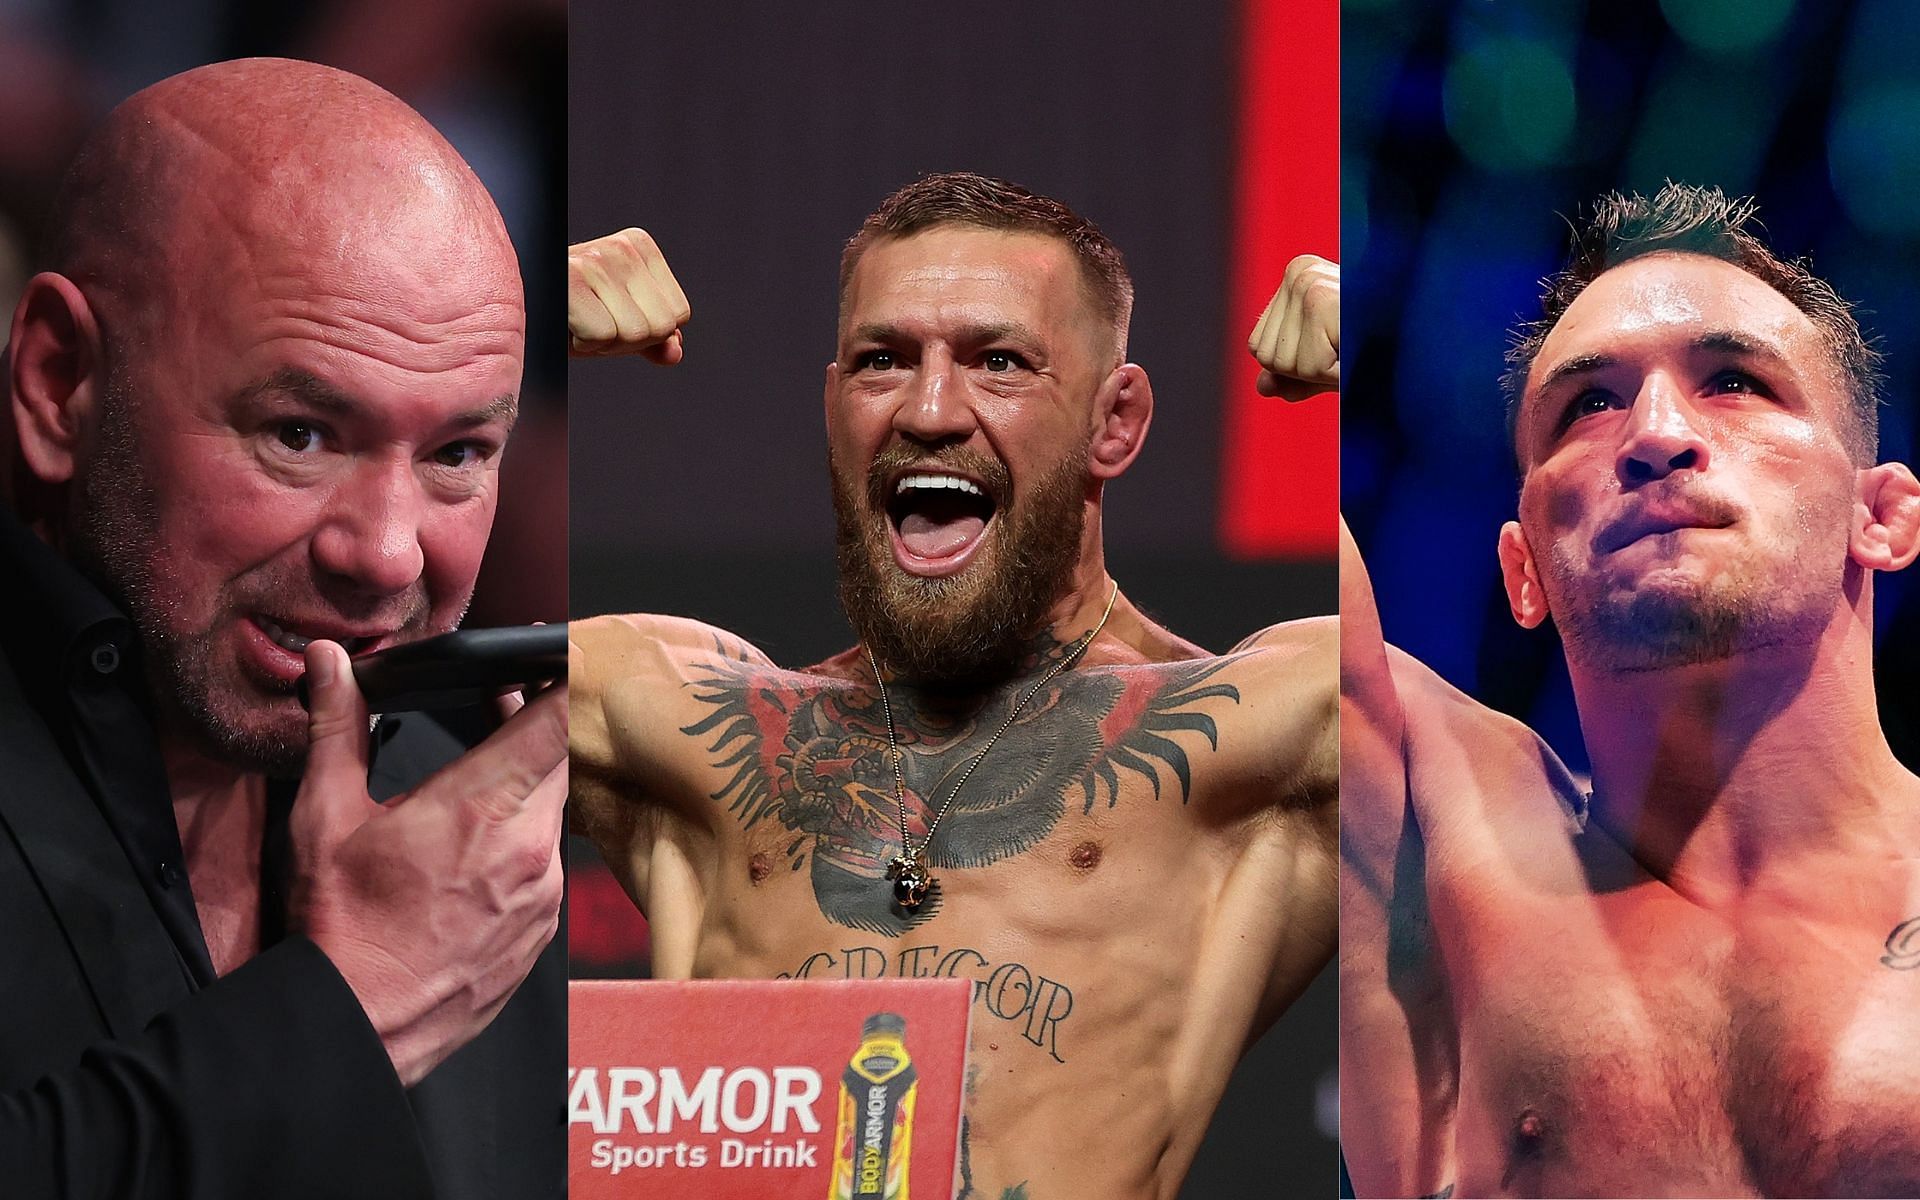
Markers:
{"x": 1683, "y": 604}
{"x": 978, "y": 623}
{"x": 117, "y": 529}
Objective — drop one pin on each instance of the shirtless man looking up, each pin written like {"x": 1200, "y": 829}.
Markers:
{"x": 1129, "y": 840}
{"x": 1699, "y": 980}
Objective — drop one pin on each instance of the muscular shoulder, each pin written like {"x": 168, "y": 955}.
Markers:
{"x": 1292, "y": 676}
{"x": 623, "y": 645}
{"x": 623, "y": 669}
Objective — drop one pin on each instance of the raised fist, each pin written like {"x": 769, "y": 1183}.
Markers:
{"x": 623, "y": 299}
{"x": 1297, "y": 341}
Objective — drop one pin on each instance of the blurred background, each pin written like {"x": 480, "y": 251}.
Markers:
{"x": 1469, "y": 128}
{"x": 488, "y": 75}
{"x": 752, "y": 140}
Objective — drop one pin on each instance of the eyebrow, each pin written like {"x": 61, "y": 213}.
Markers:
{"x": 1718, "y": 341}
{"x": 317, "y": 394}
{"x": 997, "y": 331}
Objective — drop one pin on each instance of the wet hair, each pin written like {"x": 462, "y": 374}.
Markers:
{"x": 1691, "y": 219}
{"x": 982, "y": 202}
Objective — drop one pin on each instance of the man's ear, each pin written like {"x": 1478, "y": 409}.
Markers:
{"x": 1886, "y": 529}
{"x": 1525, "y": 596}
{"x": 1124, "y": 408}
{"x": 56, "y": 372}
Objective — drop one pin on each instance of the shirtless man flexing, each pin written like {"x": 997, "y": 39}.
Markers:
{"x": 1126, "y": 840}
{"x": 1702, "y": 978}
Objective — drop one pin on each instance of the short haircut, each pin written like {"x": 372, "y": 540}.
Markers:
{"x": 1690, "y": 219}
{"x": 982, "y": 202}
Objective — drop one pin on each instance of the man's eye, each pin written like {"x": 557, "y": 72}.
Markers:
{"x": 462, "y": 454}
{"x": 1734, "y": 381}
{"x": 876, "y": 360}
{"x": 298, "y": 436}
{"x": 1003, "y": 360}
{"x": 1587, "y": 403}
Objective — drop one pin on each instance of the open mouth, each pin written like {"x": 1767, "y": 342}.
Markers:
{"x": 938, "y": 520}
{"x": 296, "y": 643}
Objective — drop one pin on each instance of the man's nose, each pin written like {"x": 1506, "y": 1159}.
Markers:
{"x": 1663, "y": 434}
{"x": 934, "y": 405}
{"x": 370, "y": 536}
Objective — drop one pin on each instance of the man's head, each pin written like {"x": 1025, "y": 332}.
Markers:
{"x": 976, "y": 405}
{"x": 1695, "y": 424}
{"x": 262, "y": 391}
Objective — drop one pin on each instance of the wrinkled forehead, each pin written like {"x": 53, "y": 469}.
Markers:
{"x": 968, "y": 275}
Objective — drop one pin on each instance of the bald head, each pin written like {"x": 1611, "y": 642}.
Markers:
{"x": 195, "y": 176}
{"x": 262, "y": 392}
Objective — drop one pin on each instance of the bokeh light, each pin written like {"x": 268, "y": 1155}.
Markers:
{"x": 1509, "y": 103}
{"x": 1725, "y": 27}
{"x": 1873, "y": 156}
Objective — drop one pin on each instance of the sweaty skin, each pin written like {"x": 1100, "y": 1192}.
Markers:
{"x": 1138, "y": 877}
{"x": 1700, "y": 981}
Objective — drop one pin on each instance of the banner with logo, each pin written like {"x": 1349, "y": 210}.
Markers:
{"x": 749, "y": 1089}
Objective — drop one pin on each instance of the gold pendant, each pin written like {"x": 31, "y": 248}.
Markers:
{"x": 911, "y": 879}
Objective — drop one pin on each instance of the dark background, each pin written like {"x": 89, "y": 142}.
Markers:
{"x": 1468, "y": 129}
{"x": 751, "y": 144}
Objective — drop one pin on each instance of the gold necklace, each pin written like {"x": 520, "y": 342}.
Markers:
{"x": 909, "y": 871}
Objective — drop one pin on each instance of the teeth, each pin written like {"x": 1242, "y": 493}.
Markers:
{"x": 289, "y": 641}
{"x": 298, "y": 644}
{"x": 928, "y": 482}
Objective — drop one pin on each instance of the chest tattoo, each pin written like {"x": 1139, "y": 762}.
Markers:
{"x": 812, "y": 755}
{"x": 1032, "y": 1005}
{"x": 1903, "y": 946}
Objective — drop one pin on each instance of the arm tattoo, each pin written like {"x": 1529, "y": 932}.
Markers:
{"x": 812, "y": 755}
{"x": 1903, "y": 946}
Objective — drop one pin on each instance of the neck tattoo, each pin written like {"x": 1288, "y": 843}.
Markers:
{"x": 909, "y": 871}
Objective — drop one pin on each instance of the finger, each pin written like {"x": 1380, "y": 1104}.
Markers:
{"x": 501, "y": 773}
{"x": 588, "y": 321}
{"x": 333, "y": 787}
{"x": 669, "y": 352}
{"x": 1280, "y": 349}
{"x": 669, "y": 290}
{"x": 1292, "y": 390}
{"x": 1258, "y": 337}
{"x": 547, "y": 803}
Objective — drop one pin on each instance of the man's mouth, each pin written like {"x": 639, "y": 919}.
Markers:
{"x": 1653, "y": 520}
{"x": 294, "y": 636}
{"x": 938, "y": 520}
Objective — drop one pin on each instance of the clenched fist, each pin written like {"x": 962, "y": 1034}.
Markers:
{"x": 1297, "y": 342}
{"x": 623, "y": 299}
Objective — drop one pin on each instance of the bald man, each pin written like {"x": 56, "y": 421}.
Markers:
{"x": 257, "y": 403}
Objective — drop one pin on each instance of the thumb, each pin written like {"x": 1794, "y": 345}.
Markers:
{"x": 333, "y": 789}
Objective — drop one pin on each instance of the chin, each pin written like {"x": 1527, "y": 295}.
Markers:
{"x": 237, "y": 720}
{"x": 1668, "y": 622}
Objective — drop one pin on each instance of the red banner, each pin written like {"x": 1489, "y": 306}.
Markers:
{"x": 1281, "y": 462}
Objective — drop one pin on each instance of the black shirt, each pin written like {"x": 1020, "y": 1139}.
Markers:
{"x": 267, "y": 1082}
